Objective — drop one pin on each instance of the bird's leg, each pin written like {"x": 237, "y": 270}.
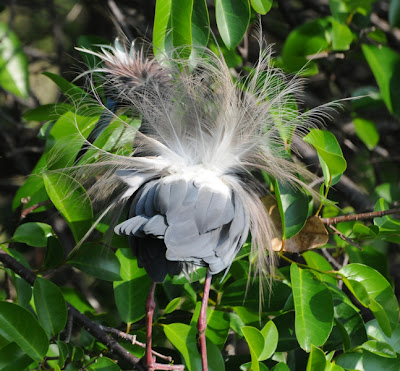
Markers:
{"x": 151, "y": 364}
{"x": 150, "y": 306}
{"x": 202, "y": 321}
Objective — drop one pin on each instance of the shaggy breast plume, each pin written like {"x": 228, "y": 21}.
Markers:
{"x": 189, "y": 183}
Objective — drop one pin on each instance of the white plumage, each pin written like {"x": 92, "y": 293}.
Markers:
{"x": 190, "y": 182}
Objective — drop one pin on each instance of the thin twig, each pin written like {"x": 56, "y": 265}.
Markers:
{"x": 330, "y": 258}
{"x": 344, "y": 238}
{"x": 27, "y": 211}
{"x": 133, "y": 340}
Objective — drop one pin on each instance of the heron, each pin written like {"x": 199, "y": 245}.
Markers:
{"x": 190, "y": 184}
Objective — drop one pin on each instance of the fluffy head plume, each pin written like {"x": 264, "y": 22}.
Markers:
{"x": 190, "y": 181}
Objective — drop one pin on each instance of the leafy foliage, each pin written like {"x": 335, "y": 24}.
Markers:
{"x": 333, "y": 308}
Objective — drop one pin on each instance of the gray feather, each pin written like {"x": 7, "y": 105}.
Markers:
{"x": 156, "y": 226}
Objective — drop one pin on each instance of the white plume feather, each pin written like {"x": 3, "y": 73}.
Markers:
{"x": 200, "y": 122}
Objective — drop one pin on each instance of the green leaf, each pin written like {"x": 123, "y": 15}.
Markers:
{"x": 366, "y": 131}
{"x": 379, "y": 348}
{"x": 329, "y": 153}
{"x": 96, "y": 260}
{"x": 217, "y": 325}
{"x": 71, "y": 200}
{"x": 316, "y": 360}
{"x": 285, "y": 324}
{"x": 370, "y": 256}
{"x": 261, "y": 6}
{"x": 181, "y": 26}
{"x": 347, "y": 319}
{"x": 366, "y": 361}
{"x": 342, "y": 36}
{"x": 172, "y": 305}
{"x": 316, "y": 260}
{"x": 54, "y": 253}
{"x": 280, "y": 367}
{"x": 293, "y": 208}
{"x": 304, "y": 42}
{"x": 394, "y": 13}
{"x": 383, "y": 302}
{"x": 13, "y": 64}
{"x": 385, "y": 65}
{"x": 200, "y": 23}
{"x": 33, "y": 234}
{"x": 103, "y": 364}
{"x": 270, "y": 334}
{"x": 33, "y": 191}
{"x": 50, "y": 306}
{"x": 240, "y": 293}
{"x": 375, "y": 331}
{"x": 314, "y": 308}
{"x": 76, "y": 299}
{"x": 47, "y": 112}
{"x": 387, "y": 225}
{"x": 12, "y": 358}
{"x": 233, "y": 17}
{"x": 73, "y": 92}
{"x": 248, "y": 367}
{"x": 20, "y": 326}
{"x": 131, "y": 293}
{"x": 255, "y": 340}
{"x": 162, "y": 40}
{"x": 183, "y": 338}
{"x": 94, "y": 43}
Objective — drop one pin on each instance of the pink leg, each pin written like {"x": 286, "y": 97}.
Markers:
{"x": 202, "y": 322}
{"x": 151, "y": 364}
{"x": 150, "y": 306}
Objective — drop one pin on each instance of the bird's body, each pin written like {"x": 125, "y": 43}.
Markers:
{"x": 190, "y": 216}
{"x": 190, "y": 179}
{"x": 190, "y": 184}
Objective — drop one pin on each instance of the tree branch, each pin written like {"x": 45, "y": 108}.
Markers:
{"x": 93, "y": 328}
{"x": 362, "y": 216}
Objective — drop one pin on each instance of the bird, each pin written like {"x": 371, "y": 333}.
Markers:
{"x": 190, "y": 185}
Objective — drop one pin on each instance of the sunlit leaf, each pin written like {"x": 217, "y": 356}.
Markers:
{"x": 33, "y": 234}
{"x": 304, "y": 42}
{"x": 261, "y": 6}
{"x": 13, "y": 63}
{"x": 367, "y": 132}
{"x": 217, "y": 325}
{"x": 293, "y": 208}
{"x": 131, "y": 293}
{"x": 382, "y": 301}
{"x": 329, "y": 153}
{"x": 316, "y": 360}
{"x": 71, "y": 200}
{"x": 385, "y": 65}
{"x": 314, "y": 308}
{"x": 233, "y": 18}
{"x": 183, "y": 338}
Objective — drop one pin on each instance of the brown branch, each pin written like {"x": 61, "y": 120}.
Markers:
{"x": 27, "y": 211}
{"x": 344, "y": 238}
{"x": 363, "y": 216}
{"x": 93, "y": 328}
{"x": 132, "y": 339}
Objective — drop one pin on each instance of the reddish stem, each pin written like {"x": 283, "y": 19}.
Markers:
{"x": 150, "y": 306}
{"x": 202, "y": 322}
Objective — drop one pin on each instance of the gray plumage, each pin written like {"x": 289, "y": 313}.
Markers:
{"x": 189, "y": 183}
{"x": 196, "y": 219}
